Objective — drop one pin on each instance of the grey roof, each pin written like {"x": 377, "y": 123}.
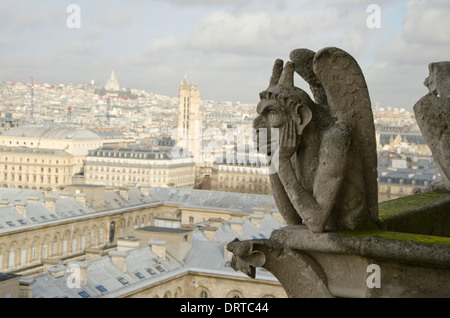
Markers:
{"x": 102, "y": 272}
{"x": 408, "y": 176}
{"x": 130, "y": 152}
{"x": 410, "y": 137}
{"x": 244, "y": 202}
{"x": 54, "y": 132}
{"x": 108, "y": 133}
{"x": 205, "y": 255}
{"x": 28, "y": 150}
{"x": 65, "y": 207}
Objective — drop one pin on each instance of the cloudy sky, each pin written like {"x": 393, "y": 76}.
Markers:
{"x": 226, "y": 46}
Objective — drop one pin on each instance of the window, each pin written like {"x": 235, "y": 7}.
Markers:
{"x": 150, "y": 271}
{"x": 203, "y": 294}
{"x": 122, "y": 280}
{"x": 160, "y": 268}
{"x": 101, "y": 288}
{"x": 139, "y": 275}
{"x": 84, "y": 294}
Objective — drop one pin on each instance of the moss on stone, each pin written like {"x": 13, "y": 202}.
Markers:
{"x": 399, "y": 236}
{"x": 394, "y": 207}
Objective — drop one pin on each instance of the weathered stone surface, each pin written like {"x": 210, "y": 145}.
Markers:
{"x": 326, "y": 174}
{"x": 335, "y": 264}
{"x": 327, "y": 180}
{"x": 433, "y": 117}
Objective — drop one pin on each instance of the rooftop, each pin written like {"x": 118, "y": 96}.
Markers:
{"x": 53, "y": 132}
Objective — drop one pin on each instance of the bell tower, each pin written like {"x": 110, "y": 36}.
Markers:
{"x": 189, "y": 116}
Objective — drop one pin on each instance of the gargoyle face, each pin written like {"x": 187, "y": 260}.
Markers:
{"x": 274, "y": 113}
{"x": 439, "y": 79}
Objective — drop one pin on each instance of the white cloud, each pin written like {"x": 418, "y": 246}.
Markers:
{"x": 427, "y": 22}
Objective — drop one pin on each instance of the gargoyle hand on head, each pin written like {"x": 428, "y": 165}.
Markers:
{"x": 314, "y": 183}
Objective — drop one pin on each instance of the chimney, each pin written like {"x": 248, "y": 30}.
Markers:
{"x": 93, "y": 253}
{"x": 210, "y": 232}
{"x": 258, "y": 211}
{"x": 127, "y": 243}
{"x": 21, "y": 207}
{"x": 144, "y": 188}
{"x": 236, "y": 225}
{"x": 50, "y": 203}
{"x": 64, "y": 195}
{"x": 124, "y": 193}
{"x": 78, "y": 274}
{"x": 119, "y": 259}
{"x": 81, "y": 198}
{"x": 57, "y": 270}
{"x": 48, "y": 191}
{"x": 257, "y": 220}
{"x": 159, "y": 248}
{"x": 26, "y": 287}
{"x": 215, "y": 222}
{"x": 33, "y": 199}
{"x": 49, "y": 263}
{"x": 238, "y": 216}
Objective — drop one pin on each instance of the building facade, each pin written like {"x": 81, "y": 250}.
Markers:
{"x": 35, "y": 168}
{"x": 242, "y": 178}
{"x": 113, "y": 166}
{"x": 75, "y": 141}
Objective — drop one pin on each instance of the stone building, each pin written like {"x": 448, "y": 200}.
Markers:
{"x": 48, "y": 156}
{"x": 75, "y": 141}
{"x": 35, "y": 168}
{"x": 189, "y": 117}
{"x": 395, "y": 183}
{"x": 113, "y": 166}
{"x": 110, "y": 238}
{"x": 242, "y": 178}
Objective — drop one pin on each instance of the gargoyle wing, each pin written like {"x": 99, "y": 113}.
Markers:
{"x": 303, "y": 61}
{"x": 349, "y": 103}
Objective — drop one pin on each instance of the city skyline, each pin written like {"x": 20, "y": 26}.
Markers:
{"x": 226, "y": 46}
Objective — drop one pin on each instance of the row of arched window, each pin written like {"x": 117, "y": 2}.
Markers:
{"x": 29, "y": 251}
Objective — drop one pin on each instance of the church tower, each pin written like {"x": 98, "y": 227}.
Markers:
{"x": 112, "y": 84}
{"x": 189, "y": 116}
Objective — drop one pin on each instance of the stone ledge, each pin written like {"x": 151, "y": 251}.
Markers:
{"x": 425, "y": 214}
{"x": 396, "y": 246}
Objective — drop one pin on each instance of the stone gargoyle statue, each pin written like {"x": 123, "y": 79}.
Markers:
{"x": 327, "y": 170}
{"x": 432, "y": 113}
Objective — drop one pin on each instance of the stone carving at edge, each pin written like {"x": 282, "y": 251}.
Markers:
{"x": 327, "y": 172}
{"x": 432, "y": 113}
{"x": 325, "y": 187}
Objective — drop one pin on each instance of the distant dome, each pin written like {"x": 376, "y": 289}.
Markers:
{"x": 51, "y": 132}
